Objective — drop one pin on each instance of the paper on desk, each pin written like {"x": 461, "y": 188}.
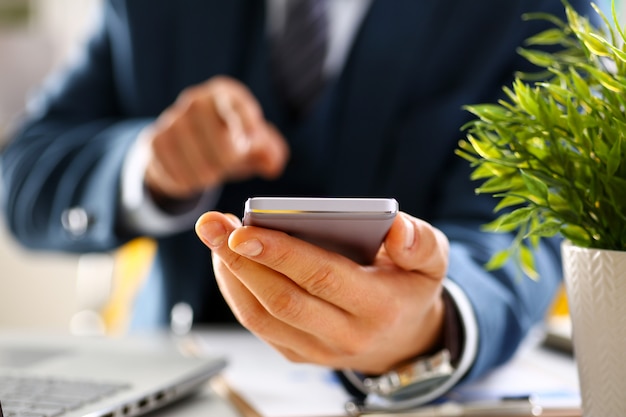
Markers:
{"x": 271, "y": 384}
{"x": 550, "y": 377}
{"x": 276, "y": 387}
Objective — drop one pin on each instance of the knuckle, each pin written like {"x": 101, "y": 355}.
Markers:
{"x": 236, "y": 263}
{"x": 291, "y": 353}
{"x": 316, "y": 353}
{"x": 191, "y": 106}
{"x": 281, "y": 258}
{"x": 278, "y": 255}
{"x": 292, "y": 356}
{"x": 286, "y": 304}
{"x": 322, "y": 357}
{"x": 218, "y": 80}
{"x": 159, "y": 143}
{"x": 187, "y": 95}
{"x": 322, "y": 282}
{"x": 251, "y": 318}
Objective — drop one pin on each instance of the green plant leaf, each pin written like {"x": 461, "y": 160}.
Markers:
{"x": 576, "y": 234}
{"x": 547, "y": 37}
{"x": 556, "y": 21}
{"x": 509, "y": 201}
{"x": 581, "y": 88}
{"x": 498, "y": 260}
{"x": 549, "y": 228}
{"x": 481, "y": 148}
{"x": 526, "y": 98}
{"x": 596, "y": 44}
{"x": 605, "y": 79}
{"x": 574, "y": 120}
{"x": 552, "y": 149}
{"x": 539, "y": 58}
{"x": 509, "y": 221}
{"x": 489, "y": 112}
{"x": 617, "y": 53}
{"x": 528, "y": 262}
{"x": 490, "y": 169}
{"x": 494, "y": 185}
{"x": 616, "y": 22}
{"x": 535, "y": 187}
{"x": 614, "y": 158}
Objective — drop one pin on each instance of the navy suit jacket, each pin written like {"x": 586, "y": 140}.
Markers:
{"x": 387, "y": 125}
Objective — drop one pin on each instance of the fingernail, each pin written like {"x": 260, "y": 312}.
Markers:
{"x": 409, "y": 233}
{"x": 252, "y": 247}
{"x": 213, "y": 232}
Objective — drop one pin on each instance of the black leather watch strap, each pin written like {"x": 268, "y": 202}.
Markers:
{"x": 453, "y": 333}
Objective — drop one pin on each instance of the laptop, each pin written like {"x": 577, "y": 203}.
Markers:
{"x": 66, "y": 376}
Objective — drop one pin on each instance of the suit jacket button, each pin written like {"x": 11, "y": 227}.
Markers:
{"x": 76, "y": 221}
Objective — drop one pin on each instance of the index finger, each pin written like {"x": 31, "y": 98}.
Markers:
{"x": 283, "y": 298}
{"x": 322, "y": 273}
{"x": 232, "y": 119}
{"x": 237, "y": 106}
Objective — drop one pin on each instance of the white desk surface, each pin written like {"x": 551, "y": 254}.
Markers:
{"x": 205, "y": 404}
{"x": 274, "y": 387}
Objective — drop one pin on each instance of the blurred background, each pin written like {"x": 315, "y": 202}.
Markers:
{"x": 37, "y": 36}
{"x": 84, "y": 294}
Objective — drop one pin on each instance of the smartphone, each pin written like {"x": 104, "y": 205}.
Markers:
{"x": 352, "y": 227}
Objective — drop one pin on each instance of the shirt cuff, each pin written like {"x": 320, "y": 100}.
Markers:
{"x": 467, "y": 348}
{"x": 140, "y": 212}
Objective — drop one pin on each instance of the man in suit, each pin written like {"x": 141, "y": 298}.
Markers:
{"x": 175, "y": 110}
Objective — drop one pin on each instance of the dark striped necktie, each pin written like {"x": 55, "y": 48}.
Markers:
{"x": 299, "y": 53}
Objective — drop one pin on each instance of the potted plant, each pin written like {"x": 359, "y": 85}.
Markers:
{"x": 554, "y": 152}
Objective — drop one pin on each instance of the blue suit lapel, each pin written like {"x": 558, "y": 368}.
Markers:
{"x": 241, "y": 50}
{"x": 189, "y": 41}
{"x": 370, "y": 87}
{"x": 238, "y": 25}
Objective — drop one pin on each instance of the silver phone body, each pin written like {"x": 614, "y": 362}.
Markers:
{"x": 352, "y": 227}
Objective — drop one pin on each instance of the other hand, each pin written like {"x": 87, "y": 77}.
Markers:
{"x": 316, "y": 306}
{"x": 213, "y": 133}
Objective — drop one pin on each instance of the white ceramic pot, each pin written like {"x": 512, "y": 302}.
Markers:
{"x": 595, "y": 281}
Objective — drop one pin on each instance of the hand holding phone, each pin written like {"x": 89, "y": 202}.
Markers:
{"x": 328, "y": 310}
{"x": 352, "y": 227}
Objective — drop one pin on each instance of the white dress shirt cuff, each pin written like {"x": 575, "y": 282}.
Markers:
{"x": 139, "y": 211}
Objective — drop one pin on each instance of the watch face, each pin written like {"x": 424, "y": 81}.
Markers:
{"x": 415, "y": 378}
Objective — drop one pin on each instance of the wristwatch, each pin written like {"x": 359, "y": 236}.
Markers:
{"x": 416, "y": 381}
{"x": 412, "y": 379}
{"x": 401, "y": 387}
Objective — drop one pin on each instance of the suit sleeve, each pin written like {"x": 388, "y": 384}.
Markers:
{"x": 61, "y": 170}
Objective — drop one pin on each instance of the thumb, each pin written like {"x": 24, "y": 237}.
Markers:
{"x": 415, "y": 245}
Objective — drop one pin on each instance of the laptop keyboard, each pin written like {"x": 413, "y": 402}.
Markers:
{"x": 47, "y": 397}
